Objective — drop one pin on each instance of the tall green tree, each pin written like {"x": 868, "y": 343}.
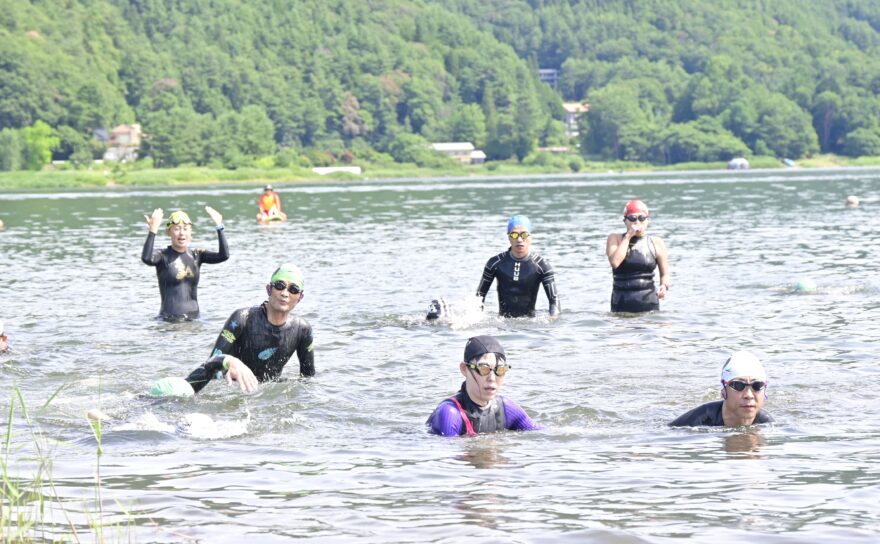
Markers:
{"x": 39, "y": 142}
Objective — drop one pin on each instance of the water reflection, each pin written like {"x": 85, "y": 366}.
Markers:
{"x": 748, "y": 443}
{"x": 482, "y": 455}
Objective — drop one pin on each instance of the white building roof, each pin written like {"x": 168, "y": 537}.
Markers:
{"x": 452, "y": 146}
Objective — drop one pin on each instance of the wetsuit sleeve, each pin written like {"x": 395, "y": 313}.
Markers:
{"x": 516, "y": 418}
{"x": 148, "y": 256}
{"x": 213, "y": 258}
{"x": 487, "y": 279}
{"x": 306, "y": 354}
{"x": 548, "y": 279}
{"x": 446, "y": 420}
{"x": 233, "y": 329}
{"x": 200, "y": 377}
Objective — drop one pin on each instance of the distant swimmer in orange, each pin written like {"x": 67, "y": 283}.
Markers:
{"x": 270, "y": 206}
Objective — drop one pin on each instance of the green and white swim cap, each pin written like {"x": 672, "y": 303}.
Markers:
{"x": 171, "y": 387}
{"x": 290, "y": 273}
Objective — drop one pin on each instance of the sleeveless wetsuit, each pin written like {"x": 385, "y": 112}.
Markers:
{"x": 265, "y": 348}
{"x": 447, "y": 419}
{"x": 178, "y": 275}
{"x": 518, "y": 282}
{"x": 710, "y": 414}
{"x": 634, "y": 289}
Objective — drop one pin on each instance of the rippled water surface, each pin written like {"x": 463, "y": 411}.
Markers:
{"x": 344, "y": 456}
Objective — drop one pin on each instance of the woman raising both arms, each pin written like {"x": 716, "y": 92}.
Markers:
{"x": 177, "y": 266}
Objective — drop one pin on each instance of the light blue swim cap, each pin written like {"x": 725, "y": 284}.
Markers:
{"x": 519, "y": 221}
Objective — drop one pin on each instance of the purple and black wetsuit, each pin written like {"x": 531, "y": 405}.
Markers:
{"x": 448, "y": 418}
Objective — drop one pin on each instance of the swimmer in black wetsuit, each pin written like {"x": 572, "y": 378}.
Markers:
{"x": 177, "y": 266}
{"x": 257, "y": 342}
{"x": 520, "y": 273}
{"x": 633, "y": 257}
{"x": 743, "y": 389}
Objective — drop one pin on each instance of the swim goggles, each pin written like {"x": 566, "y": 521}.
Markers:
{"x": 517, "y": 235}
{"x": 634, "y": 218}
{"x": 484, "y": 369}
{"x": 281, "y": 286}
{"x": 178, "y": 217}
{"x": 739, "y": 385}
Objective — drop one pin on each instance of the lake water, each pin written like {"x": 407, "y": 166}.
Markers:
{"x": 344, "y": 456}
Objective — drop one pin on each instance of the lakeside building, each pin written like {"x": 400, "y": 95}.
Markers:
{"x": 573, "y": 110}
{"x": 464, "y": 152}
{"x": 124, "y": 143}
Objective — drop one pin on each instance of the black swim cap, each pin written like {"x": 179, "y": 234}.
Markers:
{"x": 478, "y": 346}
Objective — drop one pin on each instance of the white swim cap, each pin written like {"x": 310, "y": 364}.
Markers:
{"x": 743, "y": 363}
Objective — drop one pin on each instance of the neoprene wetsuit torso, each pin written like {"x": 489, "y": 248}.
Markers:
{"x": 501, "y": 414}
{"x": 634, "y": 289}
{"x": 178, "y": 275}
{"x": 518, "y": 282}
{"x": 710, "y": 414}
{"x": 265, "y": 348}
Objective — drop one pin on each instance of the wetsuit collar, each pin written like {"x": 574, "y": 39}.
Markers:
{"x": 515, "y": 258}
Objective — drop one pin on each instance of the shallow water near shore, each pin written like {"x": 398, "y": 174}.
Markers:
{"x": 344, "y": 456}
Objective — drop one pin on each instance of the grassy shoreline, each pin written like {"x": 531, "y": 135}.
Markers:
{"x": 133, "y": 176}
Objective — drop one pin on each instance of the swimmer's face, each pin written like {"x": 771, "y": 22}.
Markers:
{"x": 181, "y": 235}
{"x": 520, "y": 245}
{"x": 282, "y": 300}
{"x": 482, "y": 389}
{"x": 745, "y": 404}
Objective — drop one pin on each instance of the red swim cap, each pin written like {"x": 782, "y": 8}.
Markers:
{"x": 635, "y": 206}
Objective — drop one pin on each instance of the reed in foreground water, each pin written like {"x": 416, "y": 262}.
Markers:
{"x": 27, "y": 503}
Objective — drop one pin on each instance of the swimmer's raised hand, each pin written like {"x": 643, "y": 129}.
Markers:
{"x": 154, "y": 221}
{"x": 215, "y": 215}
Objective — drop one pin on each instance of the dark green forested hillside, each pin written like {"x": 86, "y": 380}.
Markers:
{"x": 223, "y": 81}
{"x": 670, "y": 81}
{"x": 231, "y": 82}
